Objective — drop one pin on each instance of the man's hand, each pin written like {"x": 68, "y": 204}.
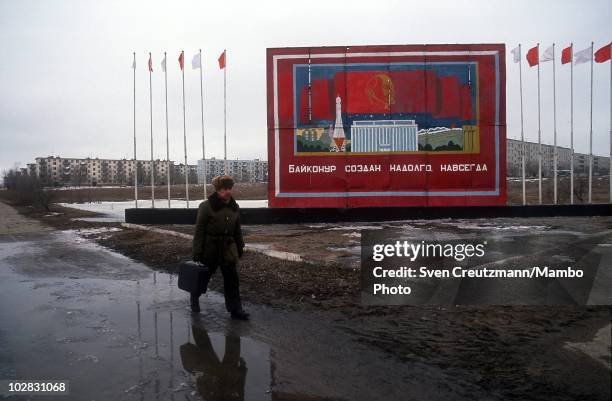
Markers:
{"x": 197, "y": 258}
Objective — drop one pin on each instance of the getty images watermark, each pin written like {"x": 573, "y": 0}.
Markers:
{"x": 396, "y": 271}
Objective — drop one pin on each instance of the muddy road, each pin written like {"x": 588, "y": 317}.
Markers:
{"x": 71, "y": 309}
{"x": 117, "y": 330}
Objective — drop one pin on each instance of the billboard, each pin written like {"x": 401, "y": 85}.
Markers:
{"x": 402, "y": 125}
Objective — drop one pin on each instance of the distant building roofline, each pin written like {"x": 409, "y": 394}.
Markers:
{"x": 384, "y": 122}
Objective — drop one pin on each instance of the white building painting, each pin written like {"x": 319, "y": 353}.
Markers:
{"x": 384, "y": 136}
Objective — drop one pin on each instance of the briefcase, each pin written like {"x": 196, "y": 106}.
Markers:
{"x": 193, "y": 277}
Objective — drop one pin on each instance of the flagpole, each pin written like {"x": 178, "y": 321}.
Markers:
{"x": 202, "y": 113}
{"x": 591, "y": 135}
{"x": 539, "y": 136}
{"x": 572, "y": 124}
{"x": 167, "y": 139}
{"x": 185, "y": 133}
{"x": 135, "y": 161}
{"x": 522, "y": 127}
{"x": 555, "y": 156}
{"x": 225, "y": 111}
{"x": 152, "y": 169}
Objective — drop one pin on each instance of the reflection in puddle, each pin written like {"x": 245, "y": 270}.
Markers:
{"x": 178, "y": 356}
{"x": 215, "y": 365}
{"x": 218, "y": 377}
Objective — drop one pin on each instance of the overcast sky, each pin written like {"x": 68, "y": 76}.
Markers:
{"x": 66, "y": 82}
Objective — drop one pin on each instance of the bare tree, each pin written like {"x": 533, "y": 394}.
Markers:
{"x": 26, "y": 190}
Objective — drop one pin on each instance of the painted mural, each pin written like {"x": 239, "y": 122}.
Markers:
{"x": 374, "y": 108}
{"x": 401, "y": 125}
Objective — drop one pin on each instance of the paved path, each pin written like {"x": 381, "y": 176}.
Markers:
{"x": 12, "y": 222}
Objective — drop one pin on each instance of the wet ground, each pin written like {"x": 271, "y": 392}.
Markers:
{"x": 118, "y": 330}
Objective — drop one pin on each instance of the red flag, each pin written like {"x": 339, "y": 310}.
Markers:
{"x": 566, "y": 55}
{"x": 222, "y": 60}
{"x": 181, "y": 60}
{"x": 603, "y": 54}
{"x": 150, "y": 63}
{"x": 532, "y": 56}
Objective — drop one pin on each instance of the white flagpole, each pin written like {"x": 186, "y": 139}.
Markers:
{"x": 591, "y": 135}
{"x": 185, "y": 134}
{"x": 135, "y": 160}
{"x": 572, "y": 124}
{"x": 152, "y": 169}
{"x": 555, "y": 156}
{"x": 522, "y": 126}
{"x": 225, "y": 111}
{"x": 539, "y": 136}
{"x": 167, "y": 139}
{"x": 202, "y": 113}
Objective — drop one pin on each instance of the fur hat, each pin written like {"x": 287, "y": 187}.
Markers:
{"x": 222, "y": 181}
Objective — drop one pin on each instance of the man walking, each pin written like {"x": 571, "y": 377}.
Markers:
{"x": 217, "y": 242}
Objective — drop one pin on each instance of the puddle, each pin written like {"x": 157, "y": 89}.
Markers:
{"x": 136, "y": 333}
{"x": 118, "y": 330}
{"x": 226, "y": 366}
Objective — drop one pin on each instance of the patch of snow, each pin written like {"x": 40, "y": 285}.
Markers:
{"x": 93, "y": 231}
{"x": 116, "y": 209}
{"x": 490, "y": 226}
{"x": 598, "y": 348}
{"x": 266, "y": 250}
{"x": 354, "y": 234}
{"x": 356, "y": 250}
{"x": 342, "y": 228}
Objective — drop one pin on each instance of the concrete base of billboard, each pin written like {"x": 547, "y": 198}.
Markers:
{"x": 336, "y": 215}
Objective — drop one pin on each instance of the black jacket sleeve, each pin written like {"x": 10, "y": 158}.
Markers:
{"x": 199, "y": 236}
{"x": 238, "y": 236}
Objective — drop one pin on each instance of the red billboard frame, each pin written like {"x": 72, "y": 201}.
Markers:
{"x": 353, "y": 163}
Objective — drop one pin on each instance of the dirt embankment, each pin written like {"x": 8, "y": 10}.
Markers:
{"x": 263, "y": 279}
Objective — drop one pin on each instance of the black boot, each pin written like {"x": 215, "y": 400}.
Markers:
{"x": 231, "y": 291}
{"x": 195, "y": 303}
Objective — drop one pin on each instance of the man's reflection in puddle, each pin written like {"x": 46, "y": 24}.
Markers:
{"x": 220, "y": 379}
